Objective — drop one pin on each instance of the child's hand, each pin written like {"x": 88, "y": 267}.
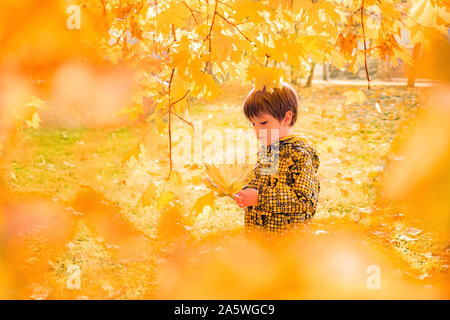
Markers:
{"x": 246, "y": 197}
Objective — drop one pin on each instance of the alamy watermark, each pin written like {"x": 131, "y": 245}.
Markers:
{"x": 73, "y": 22}
{"x": 374, "y": 280}
{"x": 74, "y": 279}
{"x": 228, "y": 146}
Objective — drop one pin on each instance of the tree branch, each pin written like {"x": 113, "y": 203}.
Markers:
{"x": 170, "y": 128}
{"x": 181, "y": 97}
{"x": 192, "y": 12}
{"x": 236, "y": 27}
{"x": 224, "y": 3}
{"x": 189, "y": 123}
{"x": 365, "y": 46}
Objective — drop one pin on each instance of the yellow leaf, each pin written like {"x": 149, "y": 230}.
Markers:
{"x": 176, "y": 13}
{"x": 276, "y": 52}
{"x": 424, "y": 13}
{"x": 132, "y": 153}
{"x": 248, "y": 8}
{"x": 176, "y": 179}
{"x": 205, "y": 200}
{"x": 132, "y": 112}
{"x": 195, "y": 179}
{"x": 227, "y": 179}
{"x": 292, "y": 6}
{"x": 294, "y": 52}
{"x": 178, "y": 88}
{"x": 34, "y": 122}
{"x": 354, "y": 96}
{"x": 373, "y": 174}
{"x": 222, "y": 45}
{"x": 263, "y": 76}
{"x": 149, "y": 195}
{"x": 160, "y": 125}
{"x": 165, "y": 199}
{"x": 378, "y": 106}
{"x": 388, "y": 10}
{"x": 204, "y": 84}
{"x": 181, "y": 55}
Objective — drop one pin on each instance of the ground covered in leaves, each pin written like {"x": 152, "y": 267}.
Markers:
{"x": 120, "y": 245}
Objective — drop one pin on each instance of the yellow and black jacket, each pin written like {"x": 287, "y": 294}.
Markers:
{"x": 286, "y": 177}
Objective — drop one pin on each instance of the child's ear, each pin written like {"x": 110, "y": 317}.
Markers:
{"x": 287, "y": 118}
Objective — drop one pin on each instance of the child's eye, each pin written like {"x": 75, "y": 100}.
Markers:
{"x": 264, "y": 122}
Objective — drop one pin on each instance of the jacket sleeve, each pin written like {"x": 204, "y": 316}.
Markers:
{"x": 301, "y": 195}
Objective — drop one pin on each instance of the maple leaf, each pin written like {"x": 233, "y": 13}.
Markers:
{"x": 227, "y": 179}
{"x": 264, "y": 76}
{"x": 149, "y": 195}
{"x": 175, "y": 13}
{"x": 134, "y": 152}
{"x": 181, "y": 55}
{"x": 208, "y": 199}
{"x": 165, "y": 199}
{"x": 248, "y": 9}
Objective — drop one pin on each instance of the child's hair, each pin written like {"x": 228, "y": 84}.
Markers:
{"x": 275, "y": 103}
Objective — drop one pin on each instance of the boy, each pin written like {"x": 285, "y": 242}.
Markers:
{"x": 283, "y": 189}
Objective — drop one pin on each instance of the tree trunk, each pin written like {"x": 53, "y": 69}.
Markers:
{"x": 382, "y": 70}
{"x": 311, "y": 74}
{"x": 412, "y": 70}
{"x": 388, "y": 70}
{"x": 293, "y": 78}
{"x": 325, "y": 71}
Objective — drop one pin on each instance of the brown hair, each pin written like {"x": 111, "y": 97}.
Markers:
{"x": 275, "y": 102}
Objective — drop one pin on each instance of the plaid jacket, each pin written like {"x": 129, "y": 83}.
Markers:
{"x": 286, "y": 177}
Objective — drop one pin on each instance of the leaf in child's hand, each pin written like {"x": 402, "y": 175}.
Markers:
{"x": 213, "y": 187}
{"x": 228, "y": 179}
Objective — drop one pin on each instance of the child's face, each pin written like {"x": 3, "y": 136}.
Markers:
{"x": 269, "y": 129}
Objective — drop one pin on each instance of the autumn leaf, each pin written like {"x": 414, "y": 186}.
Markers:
{"x": 263, "y": 76}
{"x": 378, "y": 106}
{"x": 165, "y": 199}
{"x": 134, "y": 152}
{"x": 34, "y": 121}
{"x": 132, "y": 112}
{"x": 175, "y": 13}
{"x": 207, "y": 199}
{"x": 248, "y": 8}
{"x": 354, "y": 96}
{"x": 149, "y": 195}
{"x": 227, "y": 179}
